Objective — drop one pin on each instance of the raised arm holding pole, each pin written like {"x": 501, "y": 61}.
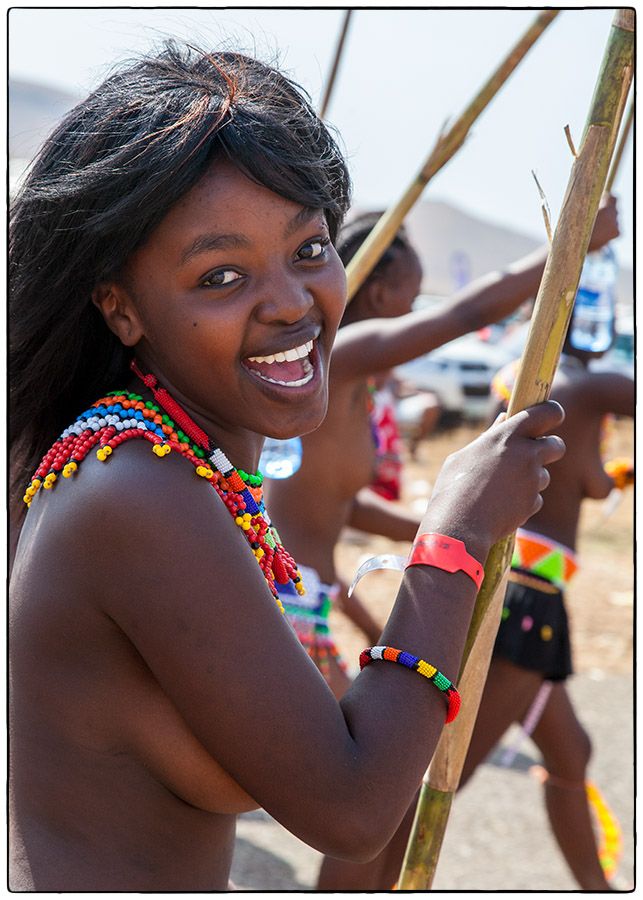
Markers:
{"x": 549, "y": 325}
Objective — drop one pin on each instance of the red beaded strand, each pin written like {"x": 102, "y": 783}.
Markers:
{"x": 243, "y": 501}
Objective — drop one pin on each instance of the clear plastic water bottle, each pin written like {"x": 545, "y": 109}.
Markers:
{"x": 592, "y": 327}
{"x": 280, "y": 459}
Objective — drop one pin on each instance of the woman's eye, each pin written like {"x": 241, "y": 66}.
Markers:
{"x": 221, "y": 277}
{"x": 313, "y": 249}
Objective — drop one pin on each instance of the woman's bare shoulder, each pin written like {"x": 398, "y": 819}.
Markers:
{"x": 133, "y": 474}
{"x": 117, "y": 509}
{"x": 601, "y": 392}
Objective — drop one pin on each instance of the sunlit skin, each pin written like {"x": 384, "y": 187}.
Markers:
{"x": 157, "y": 689}
{"x": 233, "y": 271}
{"x": 342, "y": 450}
{"x": 377, "y": 333}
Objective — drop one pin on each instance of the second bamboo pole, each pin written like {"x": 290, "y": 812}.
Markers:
{"x": 446, "y": 146}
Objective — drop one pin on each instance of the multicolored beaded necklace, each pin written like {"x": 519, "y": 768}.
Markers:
{"x": 121, "y": 416}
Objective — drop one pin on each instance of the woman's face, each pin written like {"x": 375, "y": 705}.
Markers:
{"x": 238, "y": 294}
{"x": 402, "y": 283}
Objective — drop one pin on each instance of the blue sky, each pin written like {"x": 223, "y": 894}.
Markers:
{"x": 404, "y": 72}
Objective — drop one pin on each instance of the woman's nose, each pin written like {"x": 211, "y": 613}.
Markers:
{"x": 285, "y": 298}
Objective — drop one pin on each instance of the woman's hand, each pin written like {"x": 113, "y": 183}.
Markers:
{"x": 493, "y": 485}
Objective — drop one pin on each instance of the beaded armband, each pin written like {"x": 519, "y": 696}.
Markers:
{"x": 442, "y": 683}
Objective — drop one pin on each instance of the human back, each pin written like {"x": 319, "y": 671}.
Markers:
{"x": 588, "y": 398}
{"x": 339, "y": 461}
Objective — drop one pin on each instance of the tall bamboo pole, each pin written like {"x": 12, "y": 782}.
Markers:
{"x": 618, "y": 153}
{"x": 549, "y": 323}
{"x": 447, "y": 144}
{"x": 333, "y": 72}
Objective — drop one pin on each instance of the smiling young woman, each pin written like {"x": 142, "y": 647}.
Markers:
{"x": 175, "y": 294}
{"x": 236, "y": 279}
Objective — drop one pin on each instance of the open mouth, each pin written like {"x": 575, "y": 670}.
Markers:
{"x": 290, "y": 368}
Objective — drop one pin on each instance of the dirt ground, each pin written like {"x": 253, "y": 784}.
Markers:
{"x": 600, "y": 597}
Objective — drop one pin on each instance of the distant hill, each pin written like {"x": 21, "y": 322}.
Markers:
{"x": 454, "y": 246}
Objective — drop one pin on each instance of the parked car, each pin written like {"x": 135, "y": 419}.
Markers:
{"x": 459, "y": 373}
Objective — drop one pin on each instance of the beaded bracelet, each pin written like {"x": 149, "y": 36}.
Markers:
{"x": 442, "y": 683}
{"x": 445, "y": 552}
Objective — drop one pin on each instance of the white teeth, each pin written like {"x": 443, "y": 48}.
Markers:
{"x": 308, "y": 370}
{"x": 285, "y": 356}
{"x": 297, "y": 383}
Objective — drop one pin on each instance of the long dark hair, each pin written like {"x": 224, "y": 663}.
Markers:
{"x": 105, "y": 178}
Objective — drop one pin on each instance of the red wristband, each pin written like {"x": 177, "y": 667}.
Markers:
{"x": 446, "y": 553}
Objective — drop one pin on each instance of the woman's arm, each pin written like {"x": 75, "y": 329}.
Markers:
{"x": 609, "y": 392}
{"x": 358, "y": 613}
{"x": 375, "y": 515}
{"x": 376, "y": 344}
{"x": 192, "y": 601}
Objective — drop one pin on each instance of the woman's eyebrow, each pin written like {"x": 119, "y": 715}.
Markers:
{"x": 302, "y": 218}
{"x": 207, "y": 242}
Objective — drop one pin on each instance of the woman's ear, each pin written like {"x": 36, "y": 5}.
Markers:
{"x": 119, "y": 312}
{"x": 371, "y": 299}
{"x": 383, "y": 299}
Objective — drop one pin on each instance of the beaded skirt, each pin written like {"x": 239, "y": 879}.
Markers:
{"x": 534, "y": 630}
{"x": 308, "y": 614}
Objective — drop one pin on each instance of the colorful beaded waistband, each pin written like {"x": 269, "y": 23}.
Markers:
{"x": 313, "y": 608}
{"x": 543, "y": 557}
{"x": 308, "y": 615}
